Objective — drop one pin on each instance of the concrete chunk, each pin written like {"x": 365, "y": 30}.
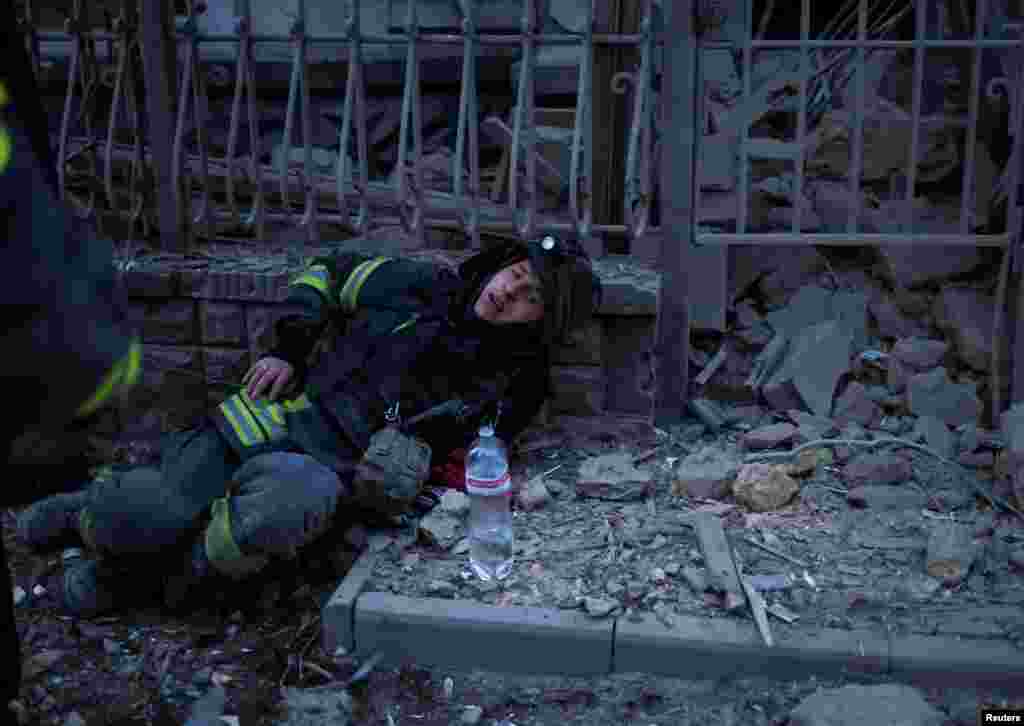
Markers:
{"x": 966, "y": 316}
{"x": 880, "y": 468}
{"x": 817, "y": 358}
{"x": 936, "y": 435}
{"x": 919, "y": 354}
{"x": 890, "y": 322}
{"x": 857, "y": 406}
{"x": 768, "y": 437}
{"x": 933, "y": 394}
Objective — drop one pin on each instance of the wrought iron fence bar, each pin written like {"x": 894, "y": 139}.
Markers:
{"x": 355, "y": 104}
{"x": 801, "y": 117}
{"x": 580, "y": 203}
{"x": 637, "y": 197}
{"x": 969, "y": 189}
{"x": 852, "y": 240}
{"x": 743, "y": 201}
{"x": 510, "y": 39}
{"x": 468, "y": 125}
{"x": 857, "y": 149}
{"x": 308, "y": 223}
{"x": 199, "y": 115}
{"x": 410, "y": 182}
{"x": 920, "y": 20}
{"x": 523, "y": 140}
{"x": 177, "y": 171}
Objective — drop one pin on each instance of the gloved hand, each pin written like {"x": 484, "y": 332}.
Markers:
{"x": 269, "y": 372}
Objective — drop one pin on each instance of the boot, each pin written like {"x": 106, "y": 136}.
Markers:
{"x": 52, "y": 523}
{"x": 91, "y": 587}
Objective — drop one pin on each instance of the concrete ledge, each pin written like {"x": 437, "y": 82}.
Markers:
{"x": 466, "y": 635}
{"x": 461, "y": 634}
{"x": 957, "y": 662}
{"x": 703, "y": 648}
{"x": 338, "y": 617}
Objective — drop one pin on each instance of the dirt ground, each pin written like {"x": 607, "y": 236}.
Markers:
{"x": 262, "y": 644}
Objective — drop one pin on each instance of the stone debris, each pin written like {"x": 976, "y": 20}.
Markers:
{"x": 817, "y": 359}
{"x": 936, "y": 435}
{"x": 707, "y": 473}
{"x": 855, "y": 405}
{"x": 933, "y": 394}
{"x": 811, "y": 427}
{"x": 856, "y": 705}
{"x": 887, "y": 497}
{"x": 919, "y": 354}
{"x": 454, "y": 502}
{"x": 950, "y": 552}
{"x": 877, "y": 468}
{"x": 718, "y": 560}
{"x": 764, "y": 487}
{"x": 533, "y": 495}
{"x": 890, "y": 322}
{"x": 441, "y": 529}
{"x": 768, "y": 437}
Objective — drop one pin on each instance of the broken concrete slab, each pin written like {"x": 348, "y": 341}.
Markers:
{"x": 936, "y": 435}
{"x": 877, "y": 469}
{"x": 905, "y": 267}
{"x": 816, "y": 360}
{"x": 919, "y": 354}
{"x": 890, "y": 322}
{"x": 768, "y": 437}
{"x": 856, "y": 405}
{"x": 782, "y": 396}
{"x": 966, "y": 315}
{"x": 811, "y": 305}
{"x": 933, "y": 394}
{"x": 857, "y": 705}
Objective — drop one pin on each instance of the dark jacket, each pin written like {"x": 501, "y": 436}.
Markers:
{"x": 67, "y": 351}
{"x": 397, "y": 331}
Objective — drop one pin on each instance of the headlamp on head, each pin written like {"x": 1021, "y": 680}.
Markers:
{"x": 572, "y": 292}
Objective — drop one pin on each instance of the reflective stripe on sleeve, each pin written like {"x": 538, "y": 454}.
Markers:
{"x": 123, "y": 375}
{"x": 261, "y": 421}
{"x": 349, "y": 294}
{"x": 316, "y": 277}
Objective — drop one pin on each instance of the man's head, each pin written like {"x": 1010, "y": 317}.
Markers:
{"x": 513, "y": 295}
{"x": 547, "y": 284}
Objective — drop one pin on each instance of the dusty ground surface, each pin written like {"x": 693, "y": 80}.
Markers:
{"x": 859, "y": 567}
{"x": 262, "y": 645}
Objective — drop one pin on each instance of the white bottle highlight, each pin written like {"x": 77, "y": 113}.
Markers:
{"x": 490, "y": 512}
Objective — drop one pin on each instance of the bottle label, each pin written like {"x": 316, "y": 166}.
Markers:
{"x": 488, "y": 487}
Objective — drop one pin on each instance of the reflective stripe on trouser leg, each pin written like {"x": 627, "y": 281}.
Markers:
{"x": 283, "y": 501}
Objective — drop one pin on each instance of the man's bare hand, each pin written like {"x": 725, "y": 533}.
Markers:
{"x": 269, "y": 372}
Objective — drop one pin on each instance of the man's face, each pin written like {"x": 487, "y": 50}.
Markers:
{"x": 512, "y": 296}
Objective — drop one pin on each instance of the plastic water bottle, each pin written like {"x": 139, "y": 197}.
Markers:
{"x": 490, "y": 511}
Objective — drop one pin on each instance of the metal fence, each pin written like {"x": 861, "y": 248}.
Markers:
{"x": 678, "y": 108}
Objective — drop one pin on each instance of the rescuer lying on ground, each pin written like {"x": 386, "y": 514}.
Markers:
{"x": 264, "y": 476}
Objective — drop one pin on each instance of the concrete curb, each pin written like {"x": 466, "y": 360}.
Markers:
{"x": 464, "y": 635}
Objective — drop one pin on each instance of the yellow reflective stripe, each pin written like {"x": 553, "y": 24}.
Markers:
{"x": 4, "y": 96}
{"x": 299, "y": 403}
{"x": 133, "y": 367}
{"x": 221, "y": 548}
{"x": 241, "y": 421}
{"x": 5, "y": 149}
{"x": 123, "y": 374}
{"x": 261, "y": 412}
{"x": 276, "y": 413}
{"x": 350, "y": 292}
{"x": 406, "y": 324}
{"x": 315, "y": 277}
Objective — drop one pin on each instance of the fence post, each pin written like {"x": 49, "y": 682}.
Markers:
{"x": 679, "y": 108}
{"x": 160, "y": 65}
